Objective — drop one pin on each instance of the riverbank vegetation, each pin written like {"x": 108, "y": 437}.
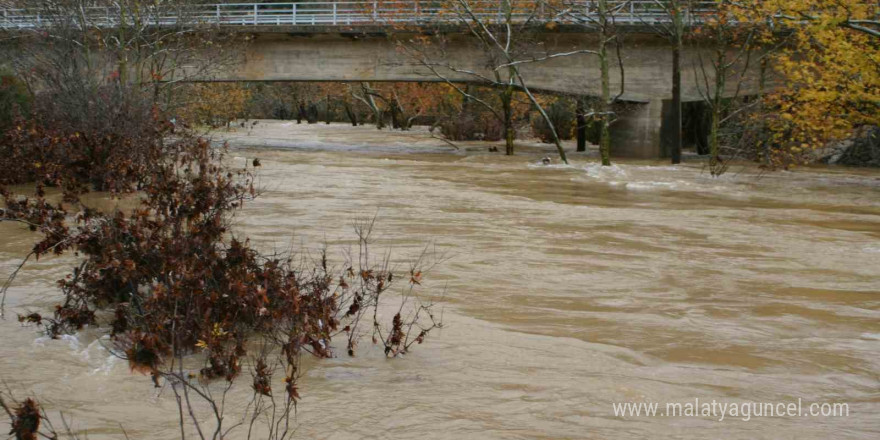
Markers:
{"x": 182, "y": 297}
{"x": 171, "y": 279}
{"x": 175, "y": 286}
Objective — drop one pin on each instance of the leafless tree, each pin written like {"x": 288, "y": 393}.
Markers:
{"x": 115, "y": 66}
{"x": 503, "y": 38}
{"x": 725, "y": 52}
{"x": 366, "y": 95}
{"x": 599, "y": 16}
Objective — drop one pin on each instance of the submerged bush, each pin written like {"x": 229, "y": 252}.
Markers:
{"x": 29, "y": 152}
{"x": 175, "y": 279}
{"x": 25, "y": 418}
{"x": 562, "y": 114}
{"x": 470, "y": 126}
{"x": 107, "y": 138}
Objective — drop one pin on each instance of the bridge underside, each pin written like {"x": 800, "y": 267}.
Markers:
{"x": 647, "y": 61}
{"x": 640, "y": 131}
{"x": 355, "y": 57}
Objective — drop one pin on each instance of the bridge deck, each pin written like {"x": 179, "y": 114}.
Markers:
{"x": 348, "y": 14}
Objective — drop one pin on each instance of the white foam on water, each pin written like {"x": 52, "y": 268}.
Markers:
{"x": 656, "y": 167}
{"x": 72, "y": 341}
{"x": 658, "y": 178}
{"x": 625, "y": 176}
{"x": 95, "y": 353}
{"x": 557, "y": 166}
{"x": 597, "y": 171}
{"x": 106, "y": 367}
{"x": 651, "y": 185}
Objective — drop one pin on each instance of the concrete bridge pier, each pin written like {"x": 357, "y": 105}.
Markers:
{"x": 643, "y": 130}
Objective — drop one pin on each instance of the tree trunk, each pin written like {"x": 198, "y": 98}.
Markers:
{"x": 328, "y": 113}
{"x": 544, "y": 115}
{"x": 713, "y": 141}
{"x": 465, "y": 99}
{"x": 123, "y": 54}
{"x": 509, "y": 131}
{"x": 762, "y": 125}
{"x": 352, "y": 116}
{"x": 312, "y": 114}
{"x": 604, "y": 106}
{"x": 395, "y": 115}
{"x": 714, "y": 128}
{"x": 678, "y": 30}
{"x": 715, "y": 167}
{"x": 581, "y": 125}
{"x": 301, "y": 113}
{"x": 377, "y": 112}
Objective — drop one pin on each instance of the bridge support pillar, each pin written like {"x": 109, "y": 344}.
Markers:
{"x": 644, "y": 131}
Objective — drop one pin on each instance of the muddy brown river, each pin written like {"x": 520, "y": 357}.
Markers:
{"x": 568, "y": 289}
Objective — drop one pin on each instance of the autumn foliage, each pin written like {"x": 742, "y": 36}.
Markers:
{"x": 104, "y": 161}
{"x": 25, "y": 417}
{"x": 831, "y": 73}
{"x": 214, "y": 105}
{"x": 170, "y": 278}
{"x": 175, "y": 283}
{"x": 818, "y": 61}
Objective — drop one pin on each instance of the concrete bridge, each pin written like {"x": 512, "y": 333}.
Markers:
{"x": 363, "y": 41}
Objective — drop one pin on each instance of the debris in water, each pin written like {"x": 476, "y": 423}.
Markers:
{"x": 31, "y": 318}
{"x": 26, "y": 420}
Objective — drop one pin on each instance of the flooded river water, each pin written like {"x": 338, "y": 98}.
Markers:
{"x": 568, "y": 289}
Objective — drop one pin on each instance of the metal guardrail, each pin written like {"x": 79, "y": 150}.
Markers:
{"x": 336, "y": 13}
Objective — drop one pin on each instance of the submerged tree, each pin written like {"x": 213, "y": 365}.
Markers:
{"x": 599, "y": 16}
{"x": 678, "y": 13}
{"x": 725, "y": 50}
{"x": 214, "y": 105}
{"x": 502, "y": 35}
{"x": 83, "y": 74}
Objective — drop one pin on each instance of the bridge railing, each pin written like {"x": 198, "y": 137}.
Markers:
{"x": 342, "y": 13}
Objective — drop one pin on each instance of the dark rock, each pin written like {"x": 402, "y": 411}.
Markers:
{"x": 861, "y": 151}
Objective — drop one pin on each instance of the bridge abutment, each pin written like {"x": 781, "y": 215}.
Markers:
{"x": 644, "y": 130}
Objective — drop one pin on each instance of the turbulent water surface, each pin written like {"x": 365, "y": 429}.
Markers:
{"x": 568, "y": 288}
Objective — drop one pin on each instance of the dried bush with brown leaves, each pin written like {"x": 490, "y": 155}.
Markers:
{"x": 179, "y": 282}
{"x": 28, "y": 421}
{"x": 25, "y": 417}
{"x": 32, "y": 153}
{"x": 472, "y": 126}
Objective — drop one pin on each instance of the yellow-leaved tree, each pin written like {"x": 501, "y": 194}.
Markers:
{"x": 828, "y": 55}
